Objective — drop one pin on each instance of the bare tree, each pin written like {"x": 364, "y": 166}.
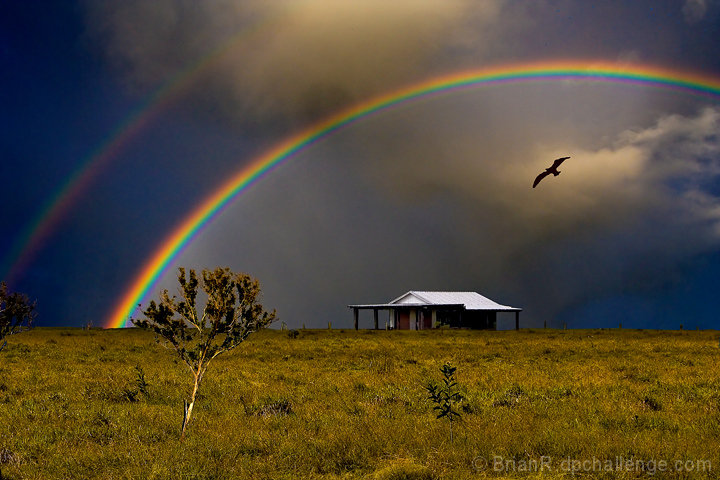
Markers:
{"x": 231, "y": 313}
{"x": 16, "y": 313}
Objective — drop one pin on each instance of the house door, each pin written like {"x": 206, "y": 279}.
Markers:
{"x": 403, "y": 317}
{"x": 425, "y": 320}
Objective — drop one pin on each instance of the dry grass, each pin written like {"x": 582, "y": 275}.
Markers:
{"x": 333, "y": 404}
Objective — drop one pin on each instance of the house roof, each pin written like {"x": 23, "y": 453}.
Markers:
{"x": 468, "y": 300}
{"x": 471, "y": 300}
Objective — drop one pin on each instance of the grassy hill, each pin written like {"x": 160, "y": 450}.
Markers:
{"x": 346, "y": 404}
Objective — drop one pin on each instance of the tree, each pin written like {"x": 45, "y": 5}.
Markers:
{"x": 16, "y": 313}
{"x": 230, "y": 315}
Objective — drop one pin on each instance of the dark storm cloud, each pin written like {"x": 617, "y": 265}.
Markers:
{"x": 288, "y": 58}
{"x": 294, "y": 61}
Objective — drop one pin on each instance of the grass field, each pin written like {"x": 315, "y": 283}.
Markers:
{"x": 346, "y": 404}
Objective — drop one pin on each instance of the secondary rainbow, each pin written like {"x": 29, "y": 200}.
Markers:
{"x": 595, "y": 71}
{"x": 40, "y": 228}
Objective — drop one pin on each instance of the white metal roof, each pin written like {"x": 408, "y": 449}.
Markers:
{"x": 471, "y": 300}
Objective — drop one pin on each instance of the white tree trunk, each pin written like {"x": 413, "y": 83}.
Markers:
{"x": 189, "y": 407}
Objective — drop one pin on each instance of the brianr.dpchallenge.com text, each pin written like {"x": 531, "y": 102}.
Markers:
{"x": 617, "y": 464}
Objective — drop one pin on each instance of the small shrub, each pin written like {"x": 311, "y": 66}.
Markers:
{"x": 445, "y": 396}
{"x": 140, "y": 381}
{"x": 16, "y": 313}
{"x": 293, "y": 333}
{"x": 131, "y": 395}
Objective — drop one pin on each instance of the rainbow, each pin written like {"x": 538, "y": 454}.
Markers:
{"x": 59, "y": 204}
{"x": 39, "y": 229}
{"x": 644, "y": 75}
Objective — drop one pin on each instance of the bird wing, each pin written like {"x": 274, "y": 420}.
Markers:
{"x": 540, "y": 177}
{"x": 557, "y": 162}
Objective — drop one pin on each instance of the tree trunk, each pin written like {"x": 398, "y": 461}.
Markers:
{"x": 189, "y": 407}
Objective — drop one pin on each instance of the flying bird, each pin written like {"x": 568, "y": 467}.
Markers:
{"x": 552, "y": 169}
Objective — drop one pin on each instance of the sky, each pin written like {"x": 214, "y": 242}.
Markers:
{"x": 121, "y": 117}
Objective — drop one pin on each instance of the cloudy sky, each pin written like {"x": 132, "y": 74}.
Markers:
{"x": 119, "y": 117}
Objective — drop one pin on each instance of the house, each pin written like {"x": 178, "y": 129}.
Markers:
{"x": 417, "y": 310}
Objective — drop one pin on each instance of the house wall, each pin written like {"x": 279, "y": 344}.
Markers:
{"x": 414, "y": 319}
{"x": 410, "y": 298}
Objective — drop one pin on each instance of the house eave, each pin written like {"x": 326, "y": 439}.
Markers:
{"x": 397, "y": 306}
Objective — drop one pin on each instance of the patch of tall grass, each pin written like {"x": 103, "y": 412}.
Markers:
{"x": 330, "y": 404}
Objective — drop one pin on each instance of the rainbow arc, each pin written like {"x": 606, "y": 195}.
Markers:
{"x": 604, "y": 72}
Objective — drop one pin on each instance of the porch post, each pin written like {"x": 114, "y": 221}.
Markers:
{"x": 355, "y": 315}
{"x": 517, "y": 320}
{"x": 375, "y": 317}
